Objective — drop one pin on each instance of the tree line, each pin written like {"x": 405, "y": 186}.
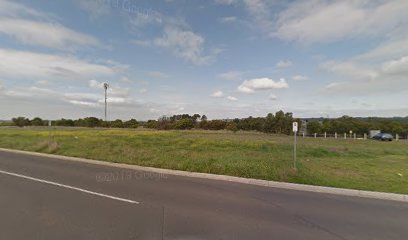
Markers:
{"x": 82, "y": 122}
{"x": 279, "y": 123}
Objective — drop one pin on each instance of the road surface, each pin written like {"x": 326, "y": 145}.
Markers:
{"x": 46, "y": 198}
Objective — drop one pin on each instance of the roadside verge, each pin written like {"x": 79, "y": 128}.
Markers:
{"x": 256, "y": 182}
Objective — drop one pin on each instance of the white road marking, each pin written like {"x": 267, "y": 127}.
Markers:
{"x": 69, "y": 187}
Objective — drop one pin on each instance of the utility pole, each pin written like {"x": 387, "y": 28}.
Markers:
{"x": 106, "y": 86}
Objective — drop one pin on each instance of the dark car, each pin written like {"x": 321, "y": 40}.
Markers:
{"x": 383, "y": 137}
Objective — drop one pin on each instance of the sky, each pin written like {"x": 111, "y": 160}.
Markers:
{"x": 221, "y": 58}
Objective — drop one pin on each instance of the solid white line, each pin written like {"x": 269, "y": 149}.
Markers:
{"x": 69, "y": 187}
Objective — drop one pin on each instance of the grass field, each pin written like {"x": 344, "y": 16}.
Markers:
{"x": 356, "y": 164}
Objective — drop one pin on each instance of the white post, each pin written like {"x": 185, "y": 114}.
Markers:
{"x": 315, "y": 135}
{"x": 304, "y": 134}
{"x": 325, "y": 135}
{"x": 396, "y": 137}
{"x": 345, "y": 135}
{"x": 294, "y": 153}
{"x": 365, "y": 136}
{"x": 335, "y": 135}
{"x": 355, "y": 136}
{"x": 295, "y": 130}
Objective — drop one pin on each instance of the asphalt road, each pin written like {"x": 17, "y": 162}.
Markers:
{"x": 43, "y": 198}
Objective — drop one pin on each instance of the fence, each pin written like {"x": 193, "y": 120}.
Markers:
{"x": 355, "y": 136}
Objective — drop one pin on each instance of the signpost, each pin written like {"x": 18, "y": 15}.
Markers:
{"x": 295, "y": 130}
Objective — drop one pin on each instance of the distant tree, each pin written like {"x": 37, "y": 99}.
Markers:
{"x": 215, "y": 125}
{"x": 88, "y": 122}
{"x": 203, "y": 118}
{"x": 21, "y": 121}
{"x": 65, "y": 122}
{"x": 37, "y": 122}
{"x": 288, "y": 123}
{"x": 269, "y": 124}
{"x": 166, "y": 123}
{"x": 117, "y": 124}
{"x": 195, "y": 117}
{"x": 184, "y": 123}
{"x": 151, "y": 124}
{"x": 232, "y": 126}
{"x": 314, "y": 127}
{"x": 132, "y": 123}
{"x": 279, "y": 122}
{"x": 105, "y": 124}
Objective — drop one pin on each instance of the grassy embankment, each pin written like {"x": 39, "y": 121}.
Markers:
{"x": 356, "y": 164}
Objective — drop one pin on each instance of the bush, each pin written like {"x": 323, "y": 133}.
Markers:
{"x": 184, "y": 124}
{"x": 132, "y": 123}
{"x": 232, "y": 126}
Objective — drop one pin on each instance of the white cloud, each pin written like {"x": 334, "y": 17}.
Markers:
{"x": 96, "y": 85}
{"x": 185, "y": 44}
{"x": 94, "y": 7}
{"x": 393, "y": 48}
{"x": 300, "y": 78}
{"x": 325, "y": 21}
{"x": 45, "y": 34}
{"x": 143, "y": 43}
{"x": 217, "y": 94}
{"x": 349, "y": 68}
{"x": 231, "y": 98}
{"x": 42, "y": 82}
{"x": 261, "y": 13}
{"x": 47, "y": 66}
{"x": 177, "y": 36}
{"x": 13, "y": 9}
{"x": 32, "y": 27}
{"x": 225, "y": 2}
{"x": 250, "y": 86}
{"x": 396, "y": 67}
{"x": 229, "y": 19}
{"x": 157, "y": 74}
{"x": 232, "y": 75}
{"x": 388, "y": 76}
{"x": 284, "y": 64}
{"x": 273, "y": 97}
{"x": 83, "y": 103}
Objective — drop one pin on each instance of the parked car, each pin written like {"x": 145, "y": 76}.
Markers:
{"x": 383, "y": 137}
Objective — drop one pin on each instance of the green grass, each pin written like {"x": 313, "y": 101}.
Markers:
{"x": 356, "y": 164}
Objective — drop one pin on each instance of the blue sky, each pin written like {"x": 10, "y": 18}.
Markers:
{"x": 222, "y": 58}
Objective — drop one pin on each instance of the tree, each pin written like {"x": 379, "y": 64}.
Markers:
{"x": 195, "y": 117}
{"x": 184, "y": 123}
{"x": 151, "y": 124}
{"x": 314, "y": 127}
{"x": 132, "y": 123}
{"x": 269, "y": 124}
{"x": 216, "y": 125}
{"x": 232, "y": 126}
{"x": 37, "y": 122}
{"x": 117, "y": 124}
{"x": 279, "y": 122}
{"x": 65, "y": 122}
{"x": 21, "y": 121}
